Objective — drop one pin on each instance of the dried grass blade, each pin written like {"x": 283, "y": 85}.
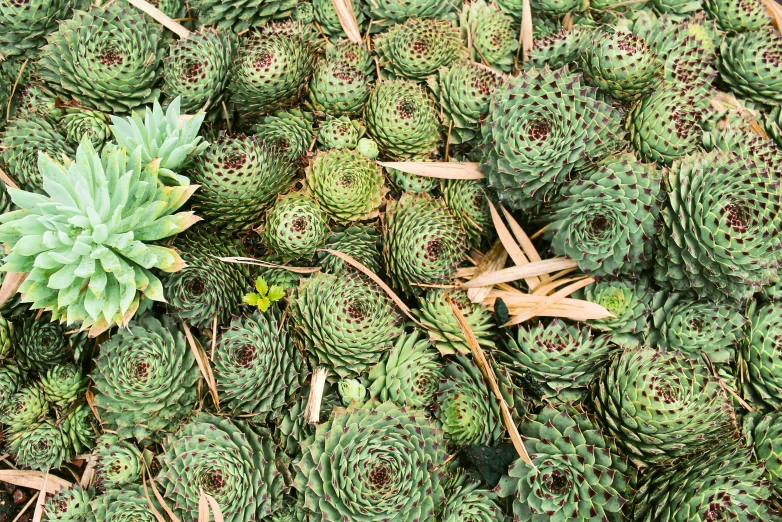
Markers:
{"x": 776, "y": 12}
{"x": 158, "y": 496}
{"x": 494, "y": 260}
{"x": 572, "y": 310}
{"x": 203, "y": 364}
{"x": 514, "y": 273}
{"x": 527, "y": 42}
{"x": 162, "y": 18}
{"x": 11, "y": 284}
{"x": 258, "y": 262}
{"x": 24, "y": 508}
{"x": 216, "y": 511}
{"x": 436, "y": 169}
{"x": 347, "y": 18}
{"x": 38, "y": 513}
{"x": 548, "y": 286}
{"x": 550, "y": 300}
{"x": 6, "y": 179}
{"x": 513, "y": 248}
{"x": 488, "y": 374}
{"x": 203, "y": 508}
{"x": 34, "y": 480}
{"x": 317, "y": 385}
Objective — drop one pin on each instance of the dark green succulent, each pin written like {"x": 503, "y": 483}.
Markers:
{"x": 338, "y": 88}
{"x": 79, "y": 124}
{"x": 773, "y": 124}
{"x": 7, "y": 341}
{"x": 751, "y": 64}
{"x": 418, "y": 47}
{"x": 469, "y": 501}
{"x": 469, "y": 202}
{"x": 677, "y": 9}
{"x": 361, "y": 242}
{"x": 412, "y": 183}
{"x": 290, "y": 131}
{"x": 437, "y": 317}
{"x": 63, "y": 383}
{"x": 24, "y": 409}
{"x": 43, "y": 344}
{"x": 764, "y": 433}
{"x": 126, "y": 504}
{"x": 11, "y": 380}
{"x": 556, "y": 7}
{"x": 389, "y": 12}
{"x": 117, "y": 462}
{"x": 68, "y": 505}
{"x": 22, "y": 140}
{"x": 240, "y": 15}
{"x": 42, "y": 447}
{"x": 495, "y": 41}
{"x": 25, "y": 25}
{"x": 564, "y": 47}
{"x": 78, "y": 424}
{"x": 296, "y": 227}
{"x": 292, "y": 428}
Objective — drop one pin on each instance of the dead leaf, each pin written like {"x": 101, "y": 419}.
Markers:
{"x": 203, "y": 364}
{"x": 527, "y": 41}
{"x": 317, "y": 384}
{"x": 513, "y": 248}
{"x": 162, "y": 18}
{"x": 158, "y": 496}
{"x": 38, "y": 513}
{"x": 549, "y": 300}
{"x": 436, "y": 169}
{"x": 347, "y": 18}
{"x": 7, "y": 180}
{"x": 258, "y": 262}
{"x": 33, "y": 480}
{"x": 514, "y": 273}
{"x": 494, "y": 260}
{"x": 216, "y": 511}
{"x": 776, "y": 13}
{"x": 11, "y": 284}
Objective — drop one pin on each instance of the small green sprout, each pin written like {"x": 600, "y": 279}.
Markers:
{"x": 264, "y": 296}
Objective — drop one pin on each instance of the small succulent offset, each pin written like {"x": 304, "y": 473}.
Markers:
{"x": 264, "y": 295}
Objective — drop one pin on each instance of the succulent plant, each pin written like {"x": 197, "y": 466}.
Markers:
{"x": 22, "y": 141}
{"x": 367, "y": 148}
{"x": 78, "y": 426}
{"x": 722, "y": 483}
{"x": 402, "y": 119}
{"x": 412, "y": 183}
{"x": 759, "y": 355}
{"x": 773, "y": 125}
{"x": 292, "y": 429}
{"x": 42, "y": 447}
{"x": 751, "y": 64}
{"x": 42, "y": 344}
{"x": 533, "y": 140}
{"x": 361, "y": 242}
{"x": 145, "y": 379}
{"x": 436, "y": 316}
{"x": 563, "y": 47}
{"x": 351, "y": 392}
{"x": 469, "y": 501}
{"x": 102, "y": 239}
{"x": 63, "y": 383}
{"x": 25, "y": 25}
{"x": 720, "y": 226}
{"x": 290, "y": 131}
{"x": 338, "y": 88}
{"x": 235, "y": 463}
{"x": 239, "y": 15}
{"x": 271, "y": 70}
{"x": 661, "y": 405}
{"x": 390, "y": 12}
{"x": 128, "y": 503}
{"x": 556, "y": 7}
{"x": 257, "y": 368}
{"x": 495, "y": 42}
{"x": 418, "y": 47}
{"x": 606, "y": 220}
{"x": 325, "y": 15}
{"x": 409, "y": 375}
{"x": 11, "y": 380}
{"x": 575, "y": 473}
{"x": 677, "y": 9}
{"x": 345, "y": 323}
{"x": 68, "y": 505}
{"x": 738, "y": 16}
{"x": 353, "y": 54}
{"x": 376, "y": 462}
{"x": 92, "y": 125}
{"x": 339, "y": 133}
{"x": 348, "y": 186}
{"x": 468, "y": 201}
{"x": 423, "y": 243}
{"x": 105, "y": 58}
{"x": 196, "y": 70}
{"x": 117, "y": 462}
{"x": 764, "y": 433}
{"x": 296, "y": 226}
{"x": 24, "y": 409}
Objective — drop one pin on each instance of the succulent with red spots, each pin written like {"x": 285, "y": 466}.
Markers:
{"x": 375, "y": 463}
{"x": 296, "y": 227}
{"x": 385, "y": 13}
{"x": 751, "y": 64}
{"x": 290, "y": 131}
{"x": 339, "y": 133}
{"x": 354, "y": 54}
{"x": 68, "y": 505}
{"x": 85, "y": 124}
{"x": 42, "y": 446}
{"x": 418, "y": 47}
{"x": 338, "y": 88}
{"x": 240, "y": 15}
{"x": 22, "y": 140}
{"x": 677, "y": 9}
{"x": 128, "y": 503}
{"x": 436, "y": 316}
{"x": 361, "y": 242}
{"x": 760, "y": 355}
{"x": 469, "y": 202}
{"x": 576, "y": 474}
{"x": 469, "y": 501}
{"x": 117, "y": 463}
{"x": 325, "y": 15}
{"x": 345, "y": 323}
{"x": 495, "y": 41}
{"x": 738, "y": 15}
{"x": 24, "y": 24}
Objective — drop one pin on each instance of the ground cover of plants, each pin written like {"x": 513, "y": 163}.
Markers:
{"x": 390, "y": 260}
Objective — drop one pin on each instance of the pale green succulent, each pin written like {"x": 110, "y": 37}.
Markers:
{"x": 117, "y": 462}
{"x": 92, "y": 125}
{"x": 338, "y": 88}
{"x": 751, "y": 65}
{"x": 470, "y": 501}
{"x": 354, "y": 54}
{"x": 339, "y": 133}
{"x": 629, "y": 301}
{"x": 68, "y": 505}
{"x": 296, "y": 227}
{"x": 764, "y": 433}
{"x": 418, "y": 47}
{"x": 469, "y": 202}
{"x": 738, "y": 15}
{"x": 126, "y": 504}
{"x": 24, "y": 409}
{"x": 495, "y": 42}
{"x": 63, "y": 383}
{"x": 412, "y": 183}
{"x": 759, "y": 358}
{"x": 437, "y": 317}
{"x": 325, "y": 15}
{"x": 623, "y": 65}
{"x": 390, "y": 12}
{"x": 367, "y": 148}
{"x": 352, "y": 392}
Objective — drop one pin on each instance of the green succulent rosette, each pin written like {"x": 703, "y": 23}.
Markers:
{"x": 290, "y": 131}
{"x": 6, "y": 338}
{"x": 423, "y": 243}
{"x": 412, "y": 183}
{"x": 11, "y": 380}
{"x": 345, "y": 323}
{"x": 287, "y": 279}
{"x": 24, "y": 409}
{"x": 738, "y": 16}
{"x": 62, "y": 384}
{"x": 293, "y": 28}
{"x": 196, "y": 70}
{"x": 257, "y": 368}
{"x": 325, "y": 15}
{"x": 563, "y": 47}
{"x": 402, "y": 119}
{"x": 386, "y": 13}
{"x": 720, "y": 227}
{"x": 361, "y": 242}
{"x": 533, "y": 141}
{"x": 557, "y": 7}
{"x": 470, "y": 501}
{"x": 105, "y": 59}
{"x": 764, "y": 433}
{"x": 353, "y": 54}
{"x": 661, "y": 405}
{"x": 629, "y": 300}
{"x": 292, "y": 510}
{"x": 751, "y": 65}
{"x": 495, "y": 40}
{"x": 677, "y": 9}
{"x": 339, "y": 133}
{"x": 576, "y": 473}
{"x": 464, "y": 92}
{"x": 25, "y": 25}
{"x": 606, "y": 221}
{"x": 117, "y": 463}
{"x": 696, "y": 327}
{"x": 42, "y": 344}
{"x": 240, "y": 15}
{"x": 338, "y": 88}
{"x": 418, "y": 47}
{"x": 720, "y": 484}
{"x": 78, "y": 426}
{"x": 469, "y": 201}
{"x": 22, "y": 141}
{"x": 85, "y": 124}
{"x": 235, "y": 463}
{"x": 68, "y": 505}
{"x": 409, "y": 375}
{"x": 436, "y": 316}
{"x": 759, "y": 357}
{"x": 348, "y": 186}
{"x": 239, "y": 177}
{"x": 145, "y": 379}
{"x": 270, "y": 71}
{"x": 351, "y": 392}
{"x": 464, "y": 407}
{"x": 373, "y": 463}
{"x": 41, "y": 447}
{"x": 296, "y": 227}
{"x": 773, "y": 125}
{"x": 124, "y": 505}
{"x": 292, "y": 429}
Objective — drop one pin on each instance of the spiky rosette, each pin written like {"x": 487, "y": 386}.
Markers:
{"x": 25, "y": 25}
{"x": 562, "y": 360}
{"x": 114, "y": 68}
{"x": 353, "y": 54}
{"x": 63, "y": 383}
{"x": 295, "y": 227}
{"x": 751, "y": 64}
{"x": 563, "y": 47}
{"x": 339, "y": 133}
{"x": 390, "y": 12}
{"x": 576, "y": 474}
{"x": 494, "y": 39}
{"x": 86, "y": 124}
{"x": 106, "y": 211}
{"x": 290, "y": 131}
{"x": 128, "y": 503}
{"x": 240, "y": 15}
{"x": 738, "y": 15}
{"x": 402, "y": 119}
{"x": 325, "y": 14}
{"x": 270, "y": 71}
{"x": 607, "y": 219}
{"x": 42, "y": 447}
{"x": 42, "y": 344}
{"x": 78, "y": 426}
{"x": 720, "y": 484}
{"x": 409, "y": 375}
{"x": 11, "y": 380}
{"x": 412, "y": 183}
{"x": 235, "y": 463}
{"x": 345, "y": 323}
{"x": 696, "y": 327}
{"x": 469, "y": 202}
{"x": 764, "y": 432}
{"x": 720, "y": 228}
{"x": 773, "y": 125}
{"x": 361, "y": 242}
{"x": 677, "y": 9}
{"x": 24, "y": 409}
{"x": 338, "y": 88}
{"x": 292, "y": 428}
{"x": 464, "y": 91}
{"x": 436, "y": 315}
{"x": 68, "y": 505}
{"x": 257, "y": 368}
{"x": 464, "y": 406}
{"x": 556, "y": 7}
{"x": 377, "y": 462}
{"x": 346, "y": 184}
{"x": 240, "y": 177}
{"x": 661, "y": 405}
{"x": 418, "y": 47}
{"x": 468, "y": 501}
{"x": 760, "y": 358}
{"x": 6, "y": 338}
{"x": 117, "y": 463}
{"x": 23, "y": 140}
{"x": 196, "y": 69}
{"x": 145, "y": 379}
{"x": 533, "y": 139}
